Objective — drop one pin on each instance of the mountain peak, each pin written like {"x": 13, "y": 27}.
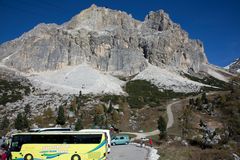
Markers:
{"x": 234, "y": 67}
{"x": 100, "y": 18}
{"x": 93, "y": 6}
{"x": 159, "y": 20}
{"x": 109, "y": 40}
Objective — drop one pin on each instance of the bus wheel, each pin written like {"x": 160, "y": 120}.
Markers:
{"x": 28, "y": 157}
{"x": 75, "y": 157}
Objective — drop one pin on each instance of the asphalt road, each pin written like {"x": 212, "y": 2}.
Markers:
{"x": 127, "y": 152}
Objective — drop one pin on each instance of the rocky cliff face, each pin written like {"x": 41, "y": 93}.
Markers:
{"x": 108, "y": 40}
{"x": 234, "y": 67}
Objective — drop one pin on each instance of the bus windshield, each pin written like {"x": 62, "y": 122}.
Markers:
{"x": 19, "y": 140}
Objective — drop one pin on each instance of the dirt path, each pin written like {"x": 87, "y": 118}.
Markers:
{"x": 156, "y": 132}
{"x": 170, "y": 113}
{"x": 170, "y": 118}
{"x": 142, "y": 135}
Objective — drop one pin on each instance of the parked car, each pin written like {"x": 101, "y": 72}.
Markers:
{"x": 120, "y": 139}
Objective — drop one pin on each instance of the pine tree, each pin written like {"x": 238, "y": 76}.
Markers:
{"x": 110, "y": 108}
{"x": 204, "y": 98}
{"x": 61, "y": 117}
{"x": 19, "y": 122}
{"x": 99, "y": 120}
{"x": 80, "y": 94}
{"x": 198, "y": 104}
{"x": 186, "y": 120}
{"x": 27, "y": 110}
{"x": 191, "y": 101}
{"x": 73, "y": 106}
{"x": 25, "y": 122}
{"x": 162, "y": 126}
{"x": 78, "y": 125}
{"x": 5, "y": 123}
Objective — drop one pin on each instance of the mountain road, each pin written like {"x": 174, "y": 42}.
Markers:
{"x": 128, "y": 152}
{"x": 156, "y": 132}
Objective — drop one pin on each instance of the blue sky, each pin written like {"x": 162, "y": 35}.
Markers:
{"x": 215, "y": 22}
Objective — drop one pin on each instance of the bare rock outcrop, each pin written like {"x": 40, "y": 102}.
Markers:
{"x": 109, "y": 40}
{"x": 234, "y": 67}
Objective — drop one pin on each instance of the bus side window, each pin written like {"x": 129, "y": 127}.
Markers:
{"x": 67, "y": 139}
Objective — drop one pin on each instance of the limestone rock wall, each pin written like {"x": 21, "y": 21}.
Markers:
{"x": 109, "y": 40}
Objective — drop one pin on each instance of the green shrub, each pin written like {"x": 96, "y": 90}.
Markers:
{"x": 99, "y": 120}
{"x": 78, "y": 125}
{"x": 209, "y": 80}
{"x": 99, "y": 109}
{"x": 115, "y": 116}
{"x": 61, "y": 117}
{"x": 48, "y": 113}
{"x": 113, "y": 98}
{"x": 142, "y": 92}
{"x": 162, "y": 126}
{"x": 12, "y": 91}
{"x": 21, "y": 122}
{"x": 5, "y": 123}
{"x": 230, "y": 108}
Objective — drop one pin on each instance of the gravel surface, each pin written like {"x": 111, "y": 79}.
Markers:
{"x": 128, "y": 152}
{"x": 170, "y": 114}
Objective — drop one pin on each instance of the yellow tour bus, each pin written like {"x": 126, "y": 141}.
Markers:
{"x": 59, "y": 146}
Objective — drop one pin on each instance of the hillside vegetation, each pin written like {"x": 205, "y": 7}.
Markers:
{"x": 142, "y": 92}
{"x": 208, "y": 124}
{"x": 210, "y": 80}
{"x": 11, "y": 91}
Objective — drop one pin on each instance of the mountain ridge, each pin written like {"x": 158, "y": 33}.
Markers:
{"x": 111, "y": 43}
{"x": 98, "y": 53}
{"x": 234, "y": 67}
{"x": 113, "y": 34}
